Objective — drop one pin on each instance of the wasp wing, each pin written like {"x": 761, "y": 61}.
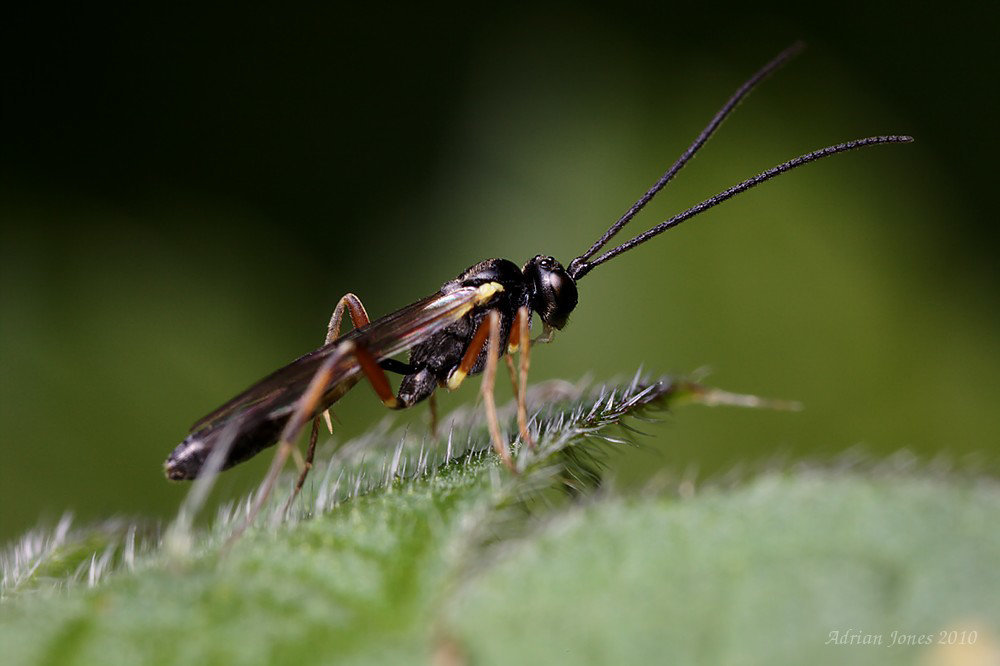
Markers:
{"x": 383, "y": 338}
{"x": 253, "y": 420}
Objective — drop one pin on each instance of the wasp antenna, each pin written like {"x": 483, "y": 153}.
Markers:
{"x": 727, "y": 108}
{"x": 585, "y": 267}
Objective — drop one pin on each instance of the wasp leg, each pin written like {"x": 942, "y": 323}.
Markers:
{"x": 520, "y": 332}
{"x": 432, "y": 403}
{"x": 471, "y": 355}
{"x": 372, "y": 368}
{"x": 492, "y": 324}
{"x": 359, "y": 317}
{"x": 524, "y": 323}
{"x": 488, "y": 332}
{"x": 303, "y": 408}
{"x": 307, "y": 405}
{"x": 512, "y": 345}
{"x": 508, "y": 359}
{"x": 376, "y": 375}
{"x": 310, "y": 453}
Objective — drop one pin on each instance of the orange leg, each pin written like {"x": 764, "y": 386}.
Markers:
{"x": 359, "y": 317}
{"x": 488, "y": 333}
{"x": 508, "y": 359}
{"x": 310, "y": 453}
{"x": 307, "y": 405}
{"x": 303, "y": 408}
{"x": 512, "y": 345}
{"x": 492, "y": 323}
{"x": 432, "y": 403}
{"x": 376, "y": 376}
{"x": 523, "y": 323}
{"x": 520, "y": 331}
{"x": 471, "y": 353}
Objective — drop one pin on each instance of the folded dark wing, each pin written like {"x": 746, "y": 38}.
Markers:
{"x": 392, "y": 334}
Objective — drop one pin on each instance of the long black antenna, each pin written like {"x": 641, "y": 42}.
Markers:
{"x": 580, "y": 268}
{"x": 740, "y": 93}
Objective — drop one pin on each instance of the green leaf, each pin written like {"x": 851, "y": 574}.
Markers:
{"x": 404, "y": 552}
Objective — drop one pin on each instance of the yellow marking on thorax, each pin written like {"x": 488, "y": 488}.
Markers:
{"x": 456, "y": 380}
{"x": 485, "y": 291}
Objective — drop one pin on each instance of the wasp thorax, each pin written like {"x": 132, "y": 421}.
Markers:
{"x": 553, "y": 294}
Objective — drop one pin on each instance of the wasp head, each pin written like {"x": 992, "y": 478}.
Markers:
{"x": 553, "y": 291}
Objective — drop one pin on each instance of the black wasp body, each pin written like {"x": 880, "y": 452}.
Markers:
{"x": 460, "y": 330}
{"x": 259, "y": 414}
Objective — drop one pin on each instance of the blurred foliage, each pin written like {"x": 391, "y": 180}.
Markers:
{"x": 768, "y": 573}
{"x": 184, "y": 196}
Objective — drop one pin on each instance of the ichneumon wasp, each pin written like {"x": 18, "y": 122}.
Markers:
{"x": 460, "y": 330}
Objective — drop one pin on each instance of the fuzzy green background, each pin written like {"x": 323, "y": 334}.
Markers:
{"x": 184, "y": 195}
